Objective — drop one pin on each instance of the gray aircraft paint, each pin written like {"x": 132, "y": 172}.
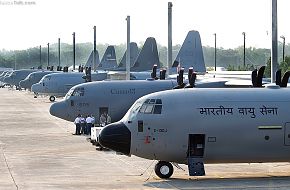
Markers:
{"x": 147, "y": 57}
{"x": 100, "y": 94}
{"x": 90, "y": 61}
{"x": 108, "y": 60}
{"x": 191, "y": 53}
{"x": 58, "y": 84}
{"x": 18, "y": 75}
{"x": 33, "y": 78}
{"x": 115, "y": 95}
{"x": 5, "y": 74}
{"x": 134, "y": 51}
{"x": 233, "y": 132}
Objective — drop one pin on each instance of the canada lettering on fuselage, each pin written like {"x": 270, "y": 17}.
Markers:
{"x": 123, "y": 91}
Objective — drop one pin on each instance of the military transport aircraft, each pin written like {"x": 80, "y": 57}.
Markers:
{"x": 33, "y": 78}
{"x": 17, "y": 75}
{"x": 197, "y": 126}
{"x": 56, "y": 85}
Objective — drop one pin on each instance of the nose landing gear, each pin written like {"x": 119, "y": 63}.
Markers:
{"x": 52, "y": 98}
{"x": 164, "y": 169}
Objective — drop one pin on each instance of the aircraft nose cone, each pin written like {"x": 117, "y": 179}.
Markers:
{"x": 22, "y": 84}
{"x": 35, "y": 88}
{"x": 58, "y": 110}
{"x": 117, "y": 137}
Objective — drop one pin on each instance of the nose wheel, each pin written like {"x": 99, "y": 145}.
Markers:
{"x": 52, "y": 98}
{"x": 164, "y": 169}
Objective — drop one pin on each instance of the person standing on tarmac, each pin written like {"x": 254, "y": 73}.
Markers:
{"x": 89, "y": 121}
{"x": 78, "y": 125}
{"x": 83, "y": 124}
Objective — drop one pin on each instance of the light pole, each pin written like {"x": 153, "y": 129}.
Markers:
{"x": 74, "y": 51}
{"x": 244, "y": 49}
{"x": 128, "y": 49}
{"x": 48, "y": 54}
{"x": 169, "y": 48}
{"x": 40, "y": 55}
{"x": 214, "y": 51}
{"x": 283, "y": 48}
{"x": 59, "y": 52}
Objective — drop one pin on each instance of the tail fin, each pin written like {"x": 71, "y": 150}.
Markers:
{"x": 109, "y": 59}
{"x": 90, "y": 60}
{"x": 190, "y": 53}
{"x": 134, "y": 50}
{"x": 148, "y": 56}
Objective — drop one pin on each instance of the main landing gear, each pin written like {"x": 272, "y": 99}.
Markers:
{"x": 164, "y": 169}
{"x": 52, "y": 98}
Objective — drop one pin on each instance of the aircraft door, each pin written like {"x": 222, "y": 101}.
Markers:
{"x": 287, "y": 134}
{"x": 196, "y": 145}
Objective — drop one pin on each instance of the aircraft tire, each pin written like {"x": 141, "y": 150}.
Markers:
{"x": 52, "y": 98}
{"x": 164, "y": 169}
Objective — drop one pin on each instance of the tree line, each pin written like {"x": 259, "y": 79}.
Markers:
{"x": 231, "y": 59}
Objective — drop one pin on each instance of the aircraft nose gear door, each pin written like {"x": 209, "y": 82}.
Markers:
{"x": 196, "y": 145}
{"x": 287, "y": 134}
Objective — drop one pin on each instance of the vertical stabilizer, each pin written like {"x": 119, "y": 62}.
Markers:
{"x": 109, "y": 59}
{"x": 134, "y": 50}
{"x": 190, "y": 53}
{"x": 90, "y": 60}
{"x": 148, "y": 56}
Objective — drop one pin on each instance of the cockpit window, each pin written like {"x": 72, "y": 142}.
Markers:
{"x": 45, "y": 78}
{"x": 134, "y": 110}
{"x": 69, "y": 93}
{"x": 151, "y": 106}
{"x": 79, "y": 92}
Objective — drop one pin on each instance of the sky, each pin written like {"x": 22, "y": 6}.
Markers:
{"x": 31, "y": 23}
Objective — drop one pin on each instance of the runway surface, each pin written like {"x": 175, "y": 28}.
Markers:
{"x": 38, "y": 151}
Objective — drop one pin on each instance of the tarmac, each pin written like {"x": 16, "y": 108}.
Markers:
{"x": 38, "y": 151}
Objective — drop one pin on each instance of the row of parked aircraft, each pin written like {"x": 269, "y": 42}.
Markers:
{"x": 202, "y": 119}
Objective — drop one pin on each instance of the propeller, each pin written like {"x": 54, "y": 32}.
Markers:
{"x": 278, "y": 77}
{"x": 180, "y": 83}
{"x": 285, "y": 79}
{"x": 154, "y": 71}
{"x": 162, "y": 74}
{"x": 65, "y": 69}
{"x": 58, "y": 68}
{"x": 191, "y": 78}
{"x": 81, "y": 69}
{"x": 282, "y": 81}
{"x": 257, "y": 77}
{"x": 88, "y": 76}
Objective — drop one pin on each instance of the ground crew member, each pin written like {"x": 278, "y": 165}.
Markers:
{"x": 89, "y": 121}
{"x": 83, "y": 124}
{"x": 108, "y": 119}
{"x": 103, "y": 120}
{"x": 78, "y": 125}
